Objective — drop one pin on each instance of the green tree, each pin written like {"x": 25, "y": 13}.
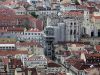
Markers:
{"x": 76, "y": 2}
{"x": 34, "y": 14}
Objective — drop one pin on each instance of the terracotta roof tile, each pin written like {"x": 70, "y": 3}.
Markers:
{"x": 8, "y": 2}
{"x": 93, "y": 55}
{"x": 5, "y": 61}
{"x": 16, "y": 29}
{"x": 23, "y": 3}
{"x": 39, "y": 25}
{"x": 96, "y": 17}
{"x": 73, "y": 13}
{"x": 53, "y": 64}
{"x": 78, "y": 63}
{"x": 98, "y": 6}
{"x": 34, "y": 71}
{"x": 32, "y": 43}
{"x": 11, "y": 52}
{"x": 90, "y": 3}
{"x": 16, "y": 62}
{"x": 2, "y": 30}
{"x": 91, "y": 9}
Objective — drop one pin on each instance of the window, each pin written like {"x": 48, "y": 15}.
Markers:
{"x": 38, "y": 33}
{"x": 74, "y": 23}
{"x": 28, "y": 33}
{"x": 49, "y": 53}
{"x": 13, "y": 47}
{"x": 87, "y": 19}
{"x": 71, "y": 23}
{"x": 6, "y": 47}
{"x": 3, "y": 47}
{"x": 9, "y": 47}
{"x": 74, "y": 31}
{"x": 35, "y": 33}
{"x": 70, "y": 32}
{"x": 25, "y": 33}
{"x": 32, "y": 33}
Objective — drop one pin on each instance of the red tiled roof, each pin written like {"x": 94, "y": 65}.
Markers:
{"x": 39, "y": 25}
{"x": 81, "y": 6}
{"x": 21, "y": 16}
{"x": 1, "y": 30}
{"x": 16, "y": 62}
{"x": 96, "y": 17}
{"x": 23, "y": 3}
{"x": 91, "y": 3}
{"x": 34, "y": 71}
{"x": 77, "y": 6}
{"x": 8, "y": 2}
{"x": 98, "y": 6}
{"x": 97, "y": 47}
{"x": 11, "y": 52}
{"x": 15, "y": 29}
{"x": 73, "y": 13}
{"x": 53, "y": 64}
{"x": 6, "y": 17}
{"x": 72, "y": 61}
{"x": 32, "y": 43}
{"x": 91, "y": 9}
{"x": 79, "y": 52}
{"x": 78, "y": 63}
{"x": 93, "y": 55}
{"x": 5, "y": 61}
{"x": 9, "y": 21}
{"x": 7, "y": 11}
{"x": 36, "y": 22}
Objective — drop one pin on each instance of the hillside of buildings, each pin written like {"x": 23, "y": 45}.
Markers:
{"x": 50, "y": 37}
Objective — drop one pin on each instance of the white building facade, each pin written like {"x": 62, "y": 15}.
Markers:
{"x": 38, "y": 61}
{"x": 32, "y": 34}
{"x": 7, "y": 47}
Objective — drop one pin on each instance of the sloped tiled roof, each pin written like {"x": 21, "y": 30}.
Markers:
{"x": 11, "y": 52}
{"x": 53, "y": 64}
{"x": 32, "y": 43}
{"x": 16, "y": 29}
{"x": 73, "y": 13}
